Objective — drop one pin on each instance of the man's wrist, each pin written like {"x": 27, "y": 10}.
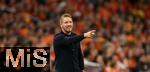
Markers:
{"x": 84, "y": 35}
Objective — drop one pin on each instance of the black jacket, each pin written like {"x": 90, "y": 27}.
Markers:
{"x": 68, "y": 53}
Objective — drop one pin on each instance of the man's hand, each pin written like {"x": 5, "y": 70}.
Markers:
{"x": 83, "y": 70}
{"x": 90, "y": 34}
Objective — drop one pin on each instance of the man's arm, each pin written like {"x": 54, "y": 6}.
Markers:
{"x": 64, "y": 40}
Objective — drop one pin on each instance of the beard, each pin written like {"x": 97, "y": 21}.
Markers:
{"x": 67, "y": 29}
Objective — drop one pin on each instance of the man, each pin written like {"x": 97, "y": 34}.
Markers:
{"x": 67, "y": 47}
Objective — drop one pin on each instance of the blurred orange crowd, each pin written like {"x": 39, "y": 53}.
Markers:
{"x": 122, "y": 42}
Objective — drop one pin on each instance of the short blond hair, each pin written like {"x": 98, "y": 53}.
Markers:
{"x": 64, "y": 15}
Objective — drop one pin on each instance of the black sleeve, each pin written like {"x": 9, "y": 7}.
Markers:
{"x": 81, "y": 59}
{"x": 64, "y": 40}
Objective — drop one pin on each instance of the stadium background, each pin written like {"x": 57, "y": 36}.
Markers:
{"x": 122, "y": 41}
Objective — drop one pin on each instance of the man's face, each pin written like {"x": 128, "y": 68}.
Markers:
{"x": 67, "y": 24}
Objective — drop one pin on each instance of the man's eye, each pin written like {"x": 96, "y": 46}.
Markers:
{"x": 66, "y": 22}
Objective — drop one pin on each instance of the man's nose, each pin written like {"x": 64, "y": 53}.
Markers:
{"x": 68, "y": 23}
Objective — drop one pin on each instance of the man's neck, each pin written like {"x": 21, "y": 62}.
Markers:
{"x": 66, "y": 32}
{"x": 69, "y": 33}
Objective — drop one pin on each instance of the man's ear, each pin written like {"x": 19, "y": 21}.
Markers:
{"x": 60, "y": 25}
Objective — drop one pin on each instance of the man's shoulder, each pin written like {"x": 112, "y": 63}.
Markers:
{"x": 73, "y": 33}
{"x": 58, "y": 34}
{"x": 62, "y": 34}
